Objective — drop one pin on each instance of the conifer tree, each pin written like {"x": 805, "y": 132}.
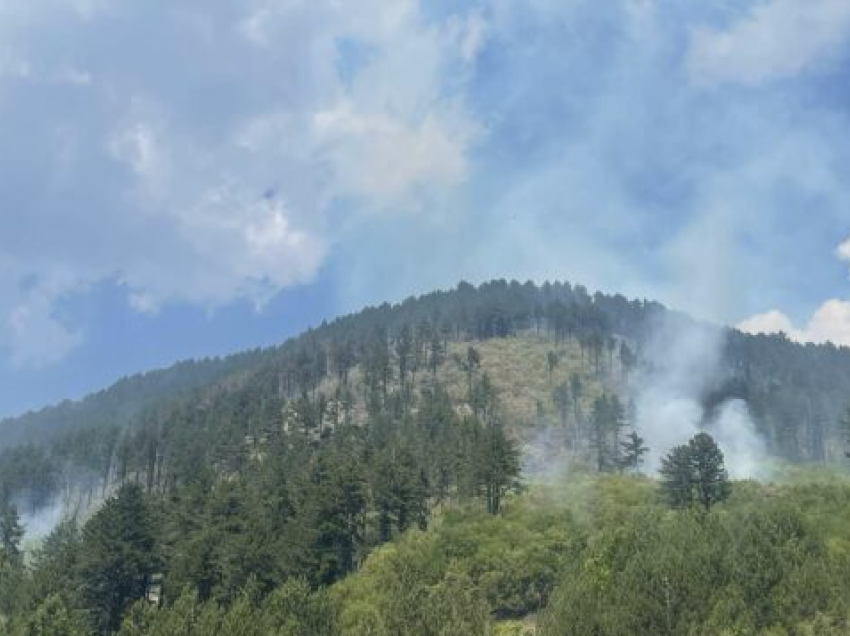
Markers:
{"x": 117, "y": 557}
{"x": 551, "y": 363}
{"x": 694, "y": 474}
{"x": 677, "y": 480}
{"x": 632, "y": 452}
{"x": 710, "y": 476}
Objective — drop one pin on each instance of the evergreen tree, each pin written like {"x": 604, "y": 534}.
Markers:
{"x": 561, "y": 398}
{"x": 677, "y": 478}
{"x": 53, "y": 618}
{"x": 117, "y": 557}
{"x": 710, "y": 476}
{"x": 469, "y": 364}
{"x": 632, "y": 452}
{"x": 498, "y": 466}
{"x": 551, "y": 363}
{"x": 11, "y": 534}
{"x": 11, "y": 561}
{"x": 694, "y": 474}
{"x": 55, "y": 564}
{"x": 576, "y": 392}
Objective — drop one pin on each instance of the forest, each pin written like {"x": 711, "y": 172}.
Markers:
{"x": 470, "y": 461}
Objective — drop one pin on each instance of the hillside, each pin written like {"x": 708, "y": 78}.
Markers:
{"x": 797, "y": 395}
{"x": 472, "y": 448}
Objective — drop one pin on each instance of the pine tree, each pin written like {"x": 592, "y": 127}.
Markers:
{"x": 694, "y": 474}
{"x": 497, "y": 466}
{"x": 11, "y": 534}
{"x": 710, "y": 476}
{"x": 632, "y": 452}
{"x": 117, "y": 557}
{"x": 11, "y": 560}
{"x": 677, "y": 479}
{"x": 551, "y": 363}
{"x": 561, "y": 398}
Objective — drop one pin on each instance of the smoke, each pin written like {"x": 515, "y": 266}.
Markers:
{"x": 546, "y": 456}
{"x": 683, "y": 361}
{"x": 742, "y": 447}
{"x": 39, "y": 523}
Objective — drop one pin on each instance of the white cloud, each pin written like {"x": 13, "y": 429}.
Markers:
{"x": 204, "y": 171}
{"x": 32, "y": 332}
{"x": 775, "y": 40}
{"x": 829, "y": 323}
{"x": 381, "y": 158}
{"x": 773, "y": 321}
{"x": 36, "y": 338}
{"x": 843, "y": 251}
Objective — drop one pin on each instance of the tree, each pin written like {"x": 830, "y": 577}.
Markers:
{"x": 551, "y": 363}
{"x": 711, "y": 478}
{"x": 11, "y": 560}
{"x": 11, "y": 534}
{"x": 55, "y": 564}
{"x": 607, "y": 422}
{"x": 576, "y": 391}
{"x": 469, "y": 365}
{"x": 561, "y": 398}
{"x": 53, "y": 618}
{"x": 677, "y": 479}
{"x": 436, "y": 353}
{"x": 400, "y": 491}
{"x": 117, "y": 557}
{"x": 694, "y": 474}
{"x": 498, "y": 466}
{"x": 628, "y": 360}
{"x": 404, "y": 354}
{"x": 632, "y": 452}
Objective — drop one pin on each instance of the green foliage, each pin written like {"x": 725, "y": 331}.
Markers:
{"x": 740, "y": 573}
{"x": 695, "y": 473}
{"x": 117, "y": 557}
{"x": 632, "y": 452}
{"x": 405, "y": 589}
{"x": 51, "y": 617}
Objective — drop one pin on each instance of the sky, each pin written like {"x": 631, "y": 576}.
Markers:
{"x": 183, "y": 179}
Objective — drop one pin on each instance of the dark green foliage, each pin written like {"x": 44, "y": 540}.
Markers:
{"x": 51, "y": 617}
{"x": 11, "y": 560}
{"x": 56, "y": 565}
{"x": 695, "y": 473}
{"x": 710, "y": 477}
{"x": 677, "y": 478}
{"x": 117, "y": 557}
{"x": 607, "y": 420}
{"x": 11, "y": 533}
{"x": 632, "y": 452}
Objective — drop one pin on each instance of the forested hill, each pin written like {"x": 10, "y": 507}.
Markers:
{"x": 123, "y": 402}
{"x": 368, "y": 477}
{"x": 548, "y": 352}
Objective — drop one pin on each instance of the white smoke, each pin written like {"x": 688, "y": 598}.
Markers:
{"x": 683, "y": 360}
{"x": 39, "y": 523}
{"x": 743, "y": 449}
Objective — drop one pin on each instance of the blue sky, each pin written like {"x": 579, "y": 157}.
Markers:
{"x": 194, "y": 178}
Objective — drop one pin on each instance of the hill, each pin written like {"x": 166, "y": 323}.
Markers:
{"x": 317, "y": 475}
{"x": 596, "y": 344}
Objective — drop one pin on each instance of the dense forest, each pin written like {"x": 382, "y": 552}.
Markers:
{"x": 465, "y": 462}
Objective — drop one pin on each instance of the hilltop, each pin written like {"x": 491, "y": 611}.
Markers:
{"x": 548, "y": 351}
